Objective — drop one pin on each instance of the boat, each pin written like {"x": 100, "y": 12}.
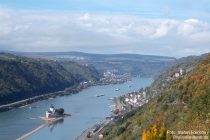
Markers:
{"x": 99, "y": 95}
{"x": 54, "y": 114}
{"x": 117, "y": 89}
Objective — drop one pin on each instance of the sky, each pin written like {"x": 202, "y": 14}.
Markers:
{"x": 165, "y": 27}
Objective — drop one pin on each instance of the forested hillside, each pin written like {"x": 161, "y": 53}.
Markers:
{"x": 22, "y": 77}
{"x": 134, "y": 64}
{"x": 179, "y": 104}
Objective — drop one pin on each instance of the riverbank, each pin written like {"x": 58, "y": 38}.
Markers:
{"x": 67, "y": 91}
{"x": 124, "y": 106}
{"x": 96, "y": 132}
{"x": 93, "y": 132}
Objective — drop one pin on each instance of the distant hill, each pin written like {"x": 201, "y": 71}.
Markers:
{"x": 134, "y": 64}
{"x": 22, "y": 77}
{"x": 177, "y": 104}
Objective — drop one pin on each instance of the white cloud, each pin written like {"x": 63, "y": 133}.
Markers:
{"x": 192, "y": 21}
{"x": 191, "y": 27}
{"x": 101, "y": 33}
{"x": 85, "y": 17}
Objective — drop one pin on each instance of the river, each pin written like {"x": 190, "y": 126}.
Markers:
{"x": 85, "y": 108}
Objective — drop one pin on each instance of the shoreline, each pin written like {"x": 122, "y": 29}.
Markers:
{"x": 20, "y": 103}
{"x": 67, "y": 91}
{"x": 112, "y": 119}
{"x": 102, "y": 124}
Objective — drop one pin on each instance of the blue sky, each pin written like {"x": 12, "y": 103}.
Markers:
{"x": 164, "y": 27}
{"x": 147, "y": 8}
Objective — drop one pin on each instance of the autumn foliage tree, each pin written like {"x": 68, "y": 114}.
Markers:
{"x": 154, "y": 133}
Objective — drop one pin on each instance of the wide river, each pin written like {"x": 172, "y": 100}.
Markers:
{"x": 85, "y": 108}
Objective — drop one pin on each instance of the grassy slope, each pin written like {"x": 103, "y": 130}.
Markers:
{"x": 181, "y": 105}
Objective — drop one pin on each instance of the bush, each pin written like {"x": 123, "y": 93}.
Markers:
{"x": 120, "y": 130}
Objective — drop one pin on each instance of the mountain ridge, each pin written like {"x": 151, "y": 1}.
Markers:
{"x": 134, "y": 64}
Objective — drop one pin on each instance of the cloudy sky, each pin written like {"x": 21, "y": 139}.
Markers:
{"x": 164, "y": 27}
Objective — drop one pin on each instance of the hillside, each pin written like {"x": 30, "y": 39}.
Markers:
{"x": 22, "y": 77}
{"x": 178, "y": 105}
{"x": 134, "y": 64}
